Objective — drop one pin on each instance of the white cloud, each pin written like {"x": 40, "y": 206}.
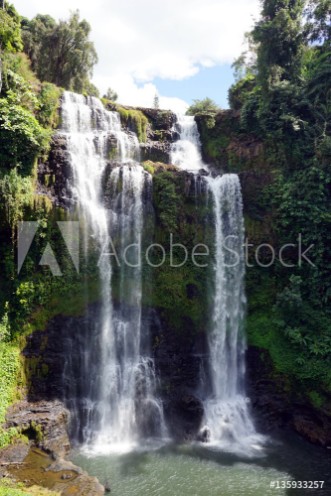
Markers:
{"x": 138, "y": 41}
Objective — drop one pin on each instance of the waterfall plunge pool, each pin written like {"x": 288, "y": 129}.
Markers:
{"x": 195, "y": 470}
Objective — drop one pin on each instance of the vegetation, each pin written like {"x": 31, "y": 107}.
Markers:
{"x": 10, "y": 33}
{"x": 135, "y": 121}
{"x": 156, "y": 102}
{"x": 60, "y": 52}
{"x": 279, "y": 131}
{"x": 9, "y": 488}
{"x": 283, "y": 98}
{"x": 111, "y": 95}
{"x": 205, "y": 105}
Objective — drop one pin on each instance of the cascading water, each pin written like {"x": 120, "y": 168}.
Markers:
{"x": 117, "y": 382}
{"x": 186, "y": 152}
{"x": 227, "y": 418}
{"x": 228, "y": 424}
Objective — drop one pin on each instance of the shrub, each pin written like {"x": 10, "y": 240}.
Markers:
{"x": 21, "y": 137}
{"x": 49, "y": 100}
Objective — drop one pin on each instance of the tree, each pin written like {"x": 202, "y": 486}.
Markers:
{"x": 318, "y": 26}
{"x": 10, "y": 32}
{"x": 279, "y": 37}
{"x": 205, "y": 105}
{"x": 61, "y": 53}
{"x": 111, "y": 95}
{"x": 156, "y": 102}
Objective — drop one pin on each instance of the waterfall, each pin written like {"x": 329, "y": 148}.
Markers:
{"x": 118, "y": 380}
{"x": 227, "y": 421}
{"x": 186, "y": 152}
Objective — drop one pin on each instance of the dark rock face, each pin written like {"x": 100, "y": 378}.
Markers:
{"x": 178, "y": 362}
{"x": 161, "y": 120}
{"x": 275, "y": 407}
{"x": 160, "y": 135}
{"x": 55, "y": 175}
{"x": 179, "y": 359}
{"x": 156, "y": 151}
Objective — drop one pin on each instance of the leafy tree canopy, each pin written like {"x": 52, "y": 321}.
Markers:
{"x": 61, "y": 53}
{"x": 10, "y": 32}
{"x": 111, "y": 95}
{"x": 205, "y": 105}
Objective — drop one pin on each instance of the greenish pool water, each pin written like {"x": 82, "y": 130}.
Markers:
{"x": 199, "y": 471}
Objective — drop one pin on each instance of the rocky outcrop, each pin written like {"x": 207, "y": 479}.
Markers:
{"x": 42, "y": 461}
{"x": 277, "y": 404}
{"x": 32, "y": 467}
{"x": 160, "y": 120}
{"x": 44, "y": 422}
{"x": 161, "y": 135}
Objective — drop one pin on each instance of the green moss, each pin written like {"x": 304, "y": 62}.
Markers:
{"x": 134, "y": 120}
{"x": 316, "y": 398}
{"x": 158, "y": 167}
{"x": 149, "y": 167}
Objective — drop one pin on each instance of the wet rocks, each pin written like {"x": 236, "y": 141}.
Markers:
{"x": 55, "y": 174}
{"x": 44, "y": 422}
{"x": 43, "y": 459}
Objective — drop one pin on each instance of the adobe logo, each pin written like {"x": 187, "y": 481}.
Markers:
{"x": 26, "y": 234}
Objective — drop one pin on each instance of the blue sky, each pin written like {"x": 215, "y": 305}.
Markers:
{"x": 211, "y": 82}
{"x": 182, "y": 50}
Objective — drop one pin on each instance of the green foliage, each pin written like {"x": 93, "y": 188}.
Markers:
{"x": 205, "y": 105}
{"x": 280, "y": 41}
{"x": 287, "y": 106}
{"x": 17, "y": 193}
{"x": 149, "y": 167}
{"x": 61, "y": 53}
{"x": 49, "y": 102}
{"x": 4, "y": 325}
{"x": 134, "y": 120}
{"x": 90, "y": 89}
{"x": 239, "y": 92}
{"x": 19, "y": 82}
{"x": 10, "y": 33}
{"x": 9, "y": 373}
{"x": 168, "y": 200}
{"x": 21, "y": 136}
{"x": 10, "y": 488}
{"x": 111, "y": 95}
{"x": 318, "y": 25}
